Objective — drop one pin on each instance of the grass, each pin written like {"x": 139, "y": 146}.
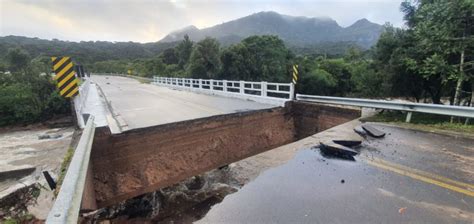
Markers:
{"x": 26, "y": 218}
{"x": 64, "y": 166}
{"x": 423, "y": 121}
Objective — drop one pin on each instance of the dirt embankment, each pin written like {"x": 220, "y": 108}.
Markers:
{"x": 143, "y": 160}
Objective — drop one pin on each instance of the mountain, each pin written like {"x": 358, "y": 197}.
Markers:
{"x": 294, "y": 30}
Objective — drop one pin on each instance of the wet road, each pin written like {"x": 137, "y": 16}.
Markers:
{"x": 142, "y": 105}
{"x": 407, "y": 177}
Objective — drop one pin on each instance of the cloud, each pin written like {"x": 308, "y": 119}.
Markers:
{"x": 149, "y": 21}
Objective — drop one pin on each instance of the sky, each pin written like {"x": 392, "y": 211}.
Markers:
{"x": 149, "y": 21}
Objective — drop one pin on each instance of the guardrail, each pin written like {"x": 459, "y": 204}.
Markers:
{"x": 80, "y": 100}
{"x": 458, "y": 111}
{"x": 267, "y": 91}
{"x": 67, "y": 204}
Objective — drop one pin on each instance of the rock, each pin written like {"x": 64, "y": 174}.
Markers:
{"x": 195, "y": 183}
{"x": 50, "y": 136}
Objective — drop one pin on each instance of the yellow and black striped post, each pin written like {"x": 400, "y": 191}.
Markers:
{"x": 295, "y": 74}
{"x": 65, "y": 76}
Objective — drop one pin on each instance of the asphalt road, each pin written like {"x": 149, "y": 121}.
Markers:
{"x": 142, "y": 105}
{"x": 406, "y": 177}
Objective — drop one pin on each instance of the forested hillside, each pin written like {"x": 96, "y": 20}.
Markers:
{"x": 84, "y": 51}
{"x": 293, "y": 30}
{"x": 430, "y": 60}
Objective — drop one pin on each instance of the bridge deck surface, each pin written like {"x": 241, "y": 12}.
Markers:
{"x": 409, "y": 176}
{"x": 143, "y": 105}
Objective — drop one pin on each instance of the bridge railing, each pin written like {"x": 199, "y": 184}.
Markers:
{"x": 269, "y": 92}
{"x": 458, "y": 111}
{"x": 68, "y": 202}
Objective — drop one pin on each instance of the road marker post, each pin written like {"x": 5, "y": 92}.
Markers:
{"x": 294, "y": 80}
{"x": 65, "y": 76}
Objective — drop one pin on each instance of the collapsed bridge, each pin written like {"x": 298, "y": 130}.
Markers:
{"x": 142, "y": 137}
{"x": 148, "y": 137}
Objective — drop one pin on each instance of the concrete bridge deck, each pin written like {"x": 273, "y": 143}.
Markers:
{"x": 141, "y": 105}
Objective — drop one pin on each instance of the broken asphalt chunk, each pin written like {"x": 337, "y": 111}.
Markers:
{"x": 337, "y": 151}
{"x": 348, "y": 143}
{"x": 373, "y": 131}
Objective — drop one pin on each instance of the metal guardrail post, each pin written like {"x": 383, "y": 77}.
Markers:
{"x": 68, "y": 203}
{"x": 224, "y": 83}
{"x": 200, "y": 83}
{"x": 241, "y": 87}
{"x": 408, "y": 118}
{"x": 263, "y": 87}
{"x": 211, "y": 84}
{"x": 292, "y": 91}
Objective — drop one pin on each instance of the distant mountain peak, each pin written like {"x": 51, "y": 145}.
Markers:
{"x": 187, "y": 28}
{"x": 295, "y": 30}
{"x": 363, "y": 22}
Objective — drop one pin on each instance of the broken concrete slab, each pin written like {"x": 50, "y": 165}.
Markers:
{"x": 348, "y": 143}
{"x": 372, "y": 131}
{"x": 16, "y": 172}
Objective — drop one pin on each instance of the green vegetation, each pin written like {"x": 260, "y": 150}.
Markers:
{"x": 64, "y": 166}
{"x": 427, "y": 122}
{"x": 27, "y": 93}
{"x": 431, "y": 61}
{"x": 26, "y": 218}
{"x": 85, "y": 52}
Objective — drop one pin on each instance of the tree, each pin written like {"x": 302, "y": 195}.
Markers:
{"x": 235, "y": 61}
{"x": 318, "y": 82}
{"x": 169, "y": 56}
{"x": 204, "y": 61}
{"x": 17, "y": 59}
{"x": 445, "y": 28}
{"x": 258, "y": 58}
{"x": 268, "y": 58}
{"x": 340, "y": 70}
{"x": 183, "y": 51}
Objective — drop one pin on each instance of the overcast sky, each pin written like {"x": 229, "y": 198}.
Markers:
{"x": 149, "y": 21}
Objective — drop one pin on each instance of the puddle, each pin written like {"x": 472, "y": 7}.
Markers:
{"x": 190, "y": 201}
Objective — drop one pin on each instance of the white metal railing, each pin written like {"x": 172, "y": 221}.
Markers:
{"x": 269, "y": 90}
{"x": 458, "y": 111}
{"x": 67, "y": 204}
